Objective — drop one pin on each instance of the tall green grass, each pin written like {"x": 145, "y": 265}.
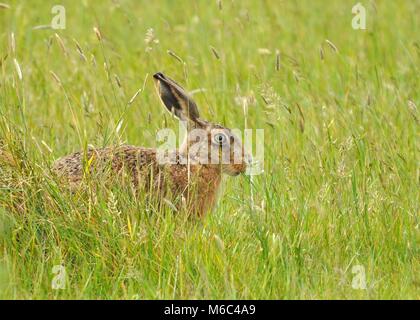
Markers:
{"x": 340, "y": 117}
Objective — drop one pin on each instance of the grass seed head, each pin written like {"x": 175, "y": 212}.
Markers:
{"x": 12, "y": 42}
{"x": 216, "y": 54}
{"x": 55, "y": 77}
{"x": 18, "y": 69}
{"x": 61, "y": 43}
{"x": 98, "y": 33}
{"x": 332, "y": 45}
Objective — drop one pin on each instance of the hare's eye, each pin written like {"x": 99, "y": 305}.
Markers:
{"x": 220, "y": 138}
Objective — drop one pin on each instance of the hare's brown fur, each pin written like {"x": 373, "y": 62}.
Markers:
{"x": 193, "y": 184}
{"x": 198, "y": 188}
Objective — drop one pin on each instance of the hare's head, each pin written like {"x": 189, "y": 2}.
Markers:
{"x": 205, "y": 142}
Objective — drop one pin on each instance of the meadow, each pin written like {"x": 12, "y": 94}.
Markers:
{"x": 334, "y": 215}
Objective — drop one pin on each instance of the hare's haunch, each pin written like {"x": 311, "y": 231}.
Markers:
{"x": 194, "y": 172}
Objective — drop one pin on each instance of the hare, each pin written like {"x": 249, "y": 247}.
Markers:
{"x": 192, "y": 173}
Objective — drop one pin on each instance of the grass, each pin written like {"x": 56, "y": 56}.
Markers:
{"x": 339, "y": 109}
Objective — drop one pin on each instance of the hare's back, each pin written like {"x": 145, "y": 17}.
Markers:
{"x": 103, "y": 160}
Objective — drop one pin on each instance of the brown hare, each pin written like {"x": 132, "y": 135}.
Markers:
{"x": 189, "y": 175}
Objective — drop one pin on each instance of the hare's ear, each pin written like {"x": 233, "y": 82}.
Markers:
{"x": 175, "y": 99}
